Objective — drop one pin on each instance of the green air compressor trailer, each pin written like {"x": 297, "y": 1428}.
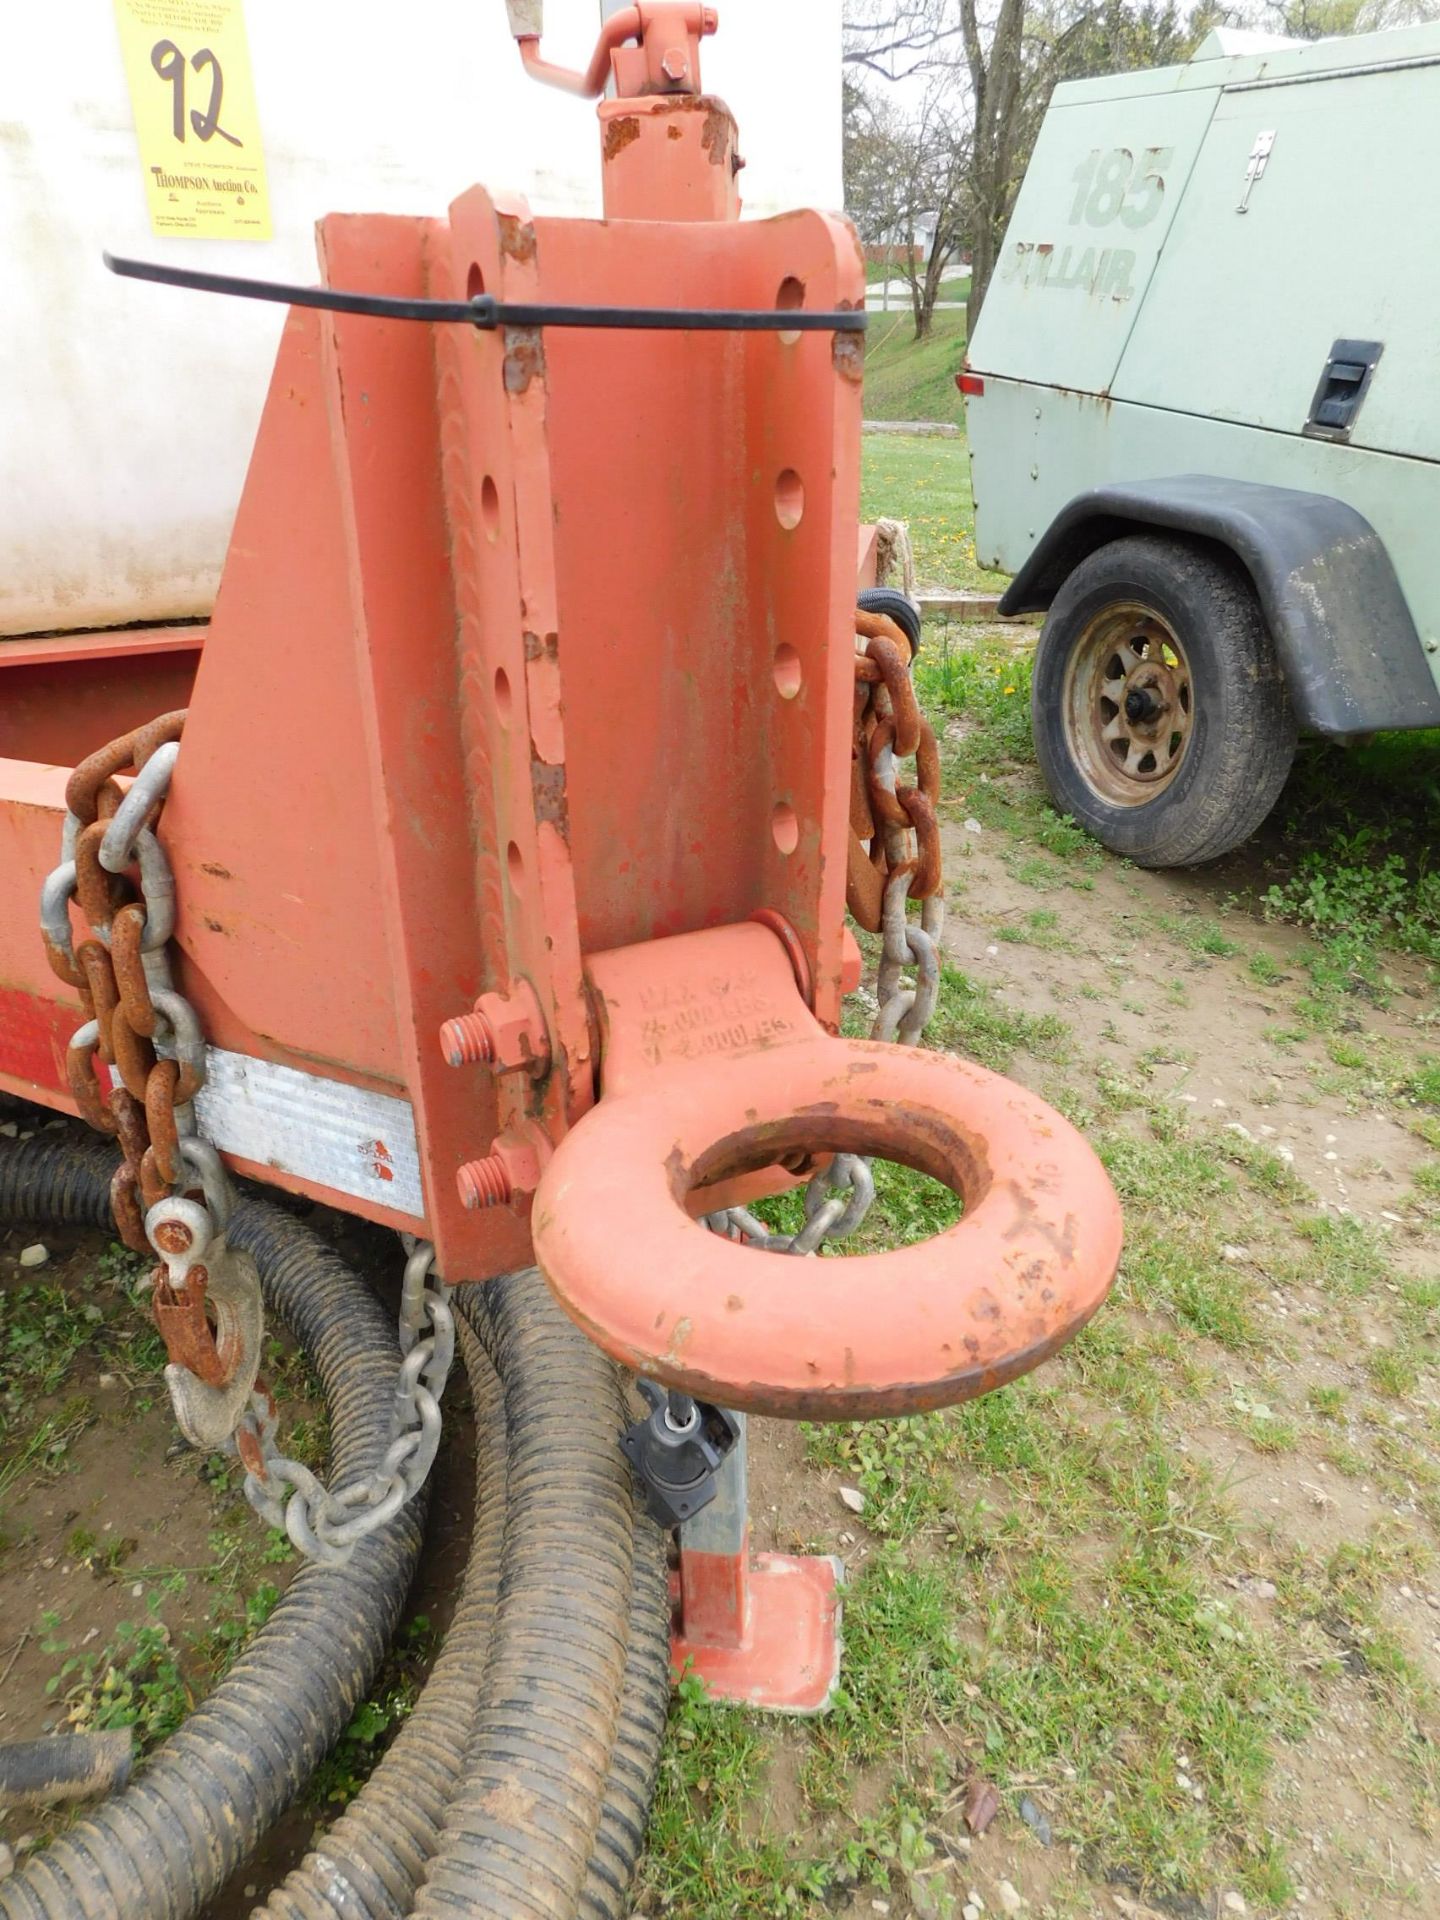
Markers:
{"x": 1203, "y": 402}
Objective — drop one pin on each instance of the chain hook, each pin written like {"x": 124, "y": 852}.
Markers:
{"x": 210, "y": 1312}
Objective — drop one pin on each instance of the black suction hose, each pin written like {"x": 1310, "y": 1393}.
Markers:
{"x": 521, "y": 1832}
{"x": 161, "y": 1848}
{"x": 521, "y": 1784}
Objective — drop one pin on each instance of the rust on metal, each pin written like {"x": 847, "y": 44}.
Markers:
{"x": 524, "y": 358}
{"x": 847, "y": 356}
{"x": 86, "y": 1091}
{"x": 622, "y": 131}
{"x": 99, "y": 892}
{"x": 134, "y": 1055}
{"x": 129, "y": 1118}
{"x": 125, "y": 1206}
{"x": 547, "y": 784}
{"x": 173, "y": 1236}
{"x": 517, "y": 238}
{"x": 160, "y": 1089}
{"x": 185, "y": 1327}
{"x": 93, "y": 778}
{"x": 127, "y": 970}
{"x": 115, "y": 992}
{"x": 885, "y": 816}
{"x": 99, "y": 995}
{"x": 717, "y": 136}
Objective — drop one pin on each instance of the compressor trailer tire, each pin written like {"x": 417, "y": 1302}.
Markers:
{"x": 1161, "y": 717}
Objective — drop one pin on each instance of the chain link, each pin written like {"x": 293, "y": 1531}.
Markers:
{"x": 896, "y": 835}
{"x": 325, "y": 1525}
{"x": 206, "y": 1295}
{"x": 137, "y": 1022}
{"x": 171, "y": 1194}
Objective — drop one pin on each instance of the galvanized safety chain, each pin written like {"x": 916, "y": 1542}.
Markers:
{"x": 323, "y": 1523}
{"x": 895, "y": 857}
{"x": 836, "y": 1201}
{"x": 171, "y": 1193}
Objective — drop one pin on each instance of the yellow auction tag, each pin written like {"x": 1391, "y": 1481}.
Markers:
{"x": 194, "y": 101}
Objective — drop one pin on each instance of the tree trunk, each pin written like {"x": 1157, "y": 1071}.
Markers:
{"x": 917, "y": 302}
{"x": 982, "y": 266}
{"x": 930, "y": 292}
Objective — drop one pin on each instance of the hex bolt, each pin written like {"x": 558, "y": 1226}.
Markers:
{"x": 674, "y": 64}
{"x": 468, "y": 1040}
{"x": 484, "y": 1183}
{"x": 505, "y": 1031}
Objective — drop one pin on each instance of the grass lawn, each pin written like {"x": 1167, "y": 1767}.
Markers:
{"x": 925, "y": 481}
{"x": 906, "y": 380}
{"x": 1175, "y": 1597}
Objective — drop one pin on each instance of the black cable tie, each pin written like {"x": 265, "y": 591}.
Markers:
{"x": 487, "y": 313}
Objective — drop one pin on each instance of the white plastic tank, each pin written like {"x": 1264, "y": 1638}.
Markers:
{"x": 127, "y": 411}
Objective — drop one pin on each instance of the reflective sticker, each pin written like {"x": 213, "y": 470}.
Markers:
{"x": 343, "y": 1137}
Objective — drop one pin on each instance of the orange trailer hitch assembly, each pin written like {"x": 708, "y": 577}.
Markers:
{"x": 515, "y": 814}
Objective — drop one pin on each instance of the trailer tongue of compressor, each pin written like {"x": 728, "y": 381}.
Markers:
{"x": 510, "y": 825}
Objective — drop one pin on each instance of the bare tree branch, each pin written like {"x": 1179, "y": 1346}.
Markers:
{"x": 900, "y": 40}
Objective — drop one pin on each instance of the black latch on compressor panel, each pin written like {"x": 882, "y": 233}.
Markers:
{"x": 1343, "y": 385}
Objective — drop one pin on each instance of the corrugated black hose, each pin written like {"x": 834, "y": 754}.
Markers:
{"x": 521, "y": 1783}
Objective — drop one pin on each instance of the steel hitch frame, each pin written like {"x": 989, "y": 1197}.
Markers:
{"x": 512, "y": 825}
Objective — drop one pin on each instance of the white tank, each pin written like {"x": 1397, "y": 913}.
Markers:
{"x": 127, "y": 411}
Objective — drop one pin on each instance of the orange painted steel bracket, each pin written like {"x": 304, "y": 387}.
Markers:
{"x": 526, "y": 644}
{"x": 712, "y": 1066}
{"x": 760, "y": 1629}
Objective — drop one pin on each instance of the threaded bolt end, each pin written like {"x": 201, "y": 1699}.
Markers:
{"x": 484, "y": 1183}
{"x": 468, "y": 1040}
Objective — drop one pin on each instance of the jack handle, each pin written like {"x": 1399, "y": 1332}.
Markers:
{"x": 667, "y": 61}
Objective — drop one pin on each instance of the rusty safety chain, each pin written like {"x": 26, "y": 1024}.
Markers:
{"x": 171, "y": 1193}
{"x": 894, "y": 858}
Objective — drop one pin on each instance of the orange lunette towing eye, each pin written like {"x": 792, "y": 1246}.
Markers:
{"x": 713, "y": 1067}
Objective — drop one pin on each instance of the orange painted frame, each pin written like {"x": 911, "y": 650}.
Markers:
{"x": 492, "y": 676}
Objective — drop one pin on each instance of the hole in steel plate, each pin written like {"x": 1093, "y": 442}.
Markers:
{"x": 791, "y": 294}
{"x": 785, "y": 826}
{"x": 490, "y": 507}
{"x": 789, "y": 499}
{"x": 789, "y": 674}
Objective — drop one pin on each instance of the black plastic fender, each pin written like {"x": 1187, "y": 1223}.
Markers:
{"x": 1353, "y": 660}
